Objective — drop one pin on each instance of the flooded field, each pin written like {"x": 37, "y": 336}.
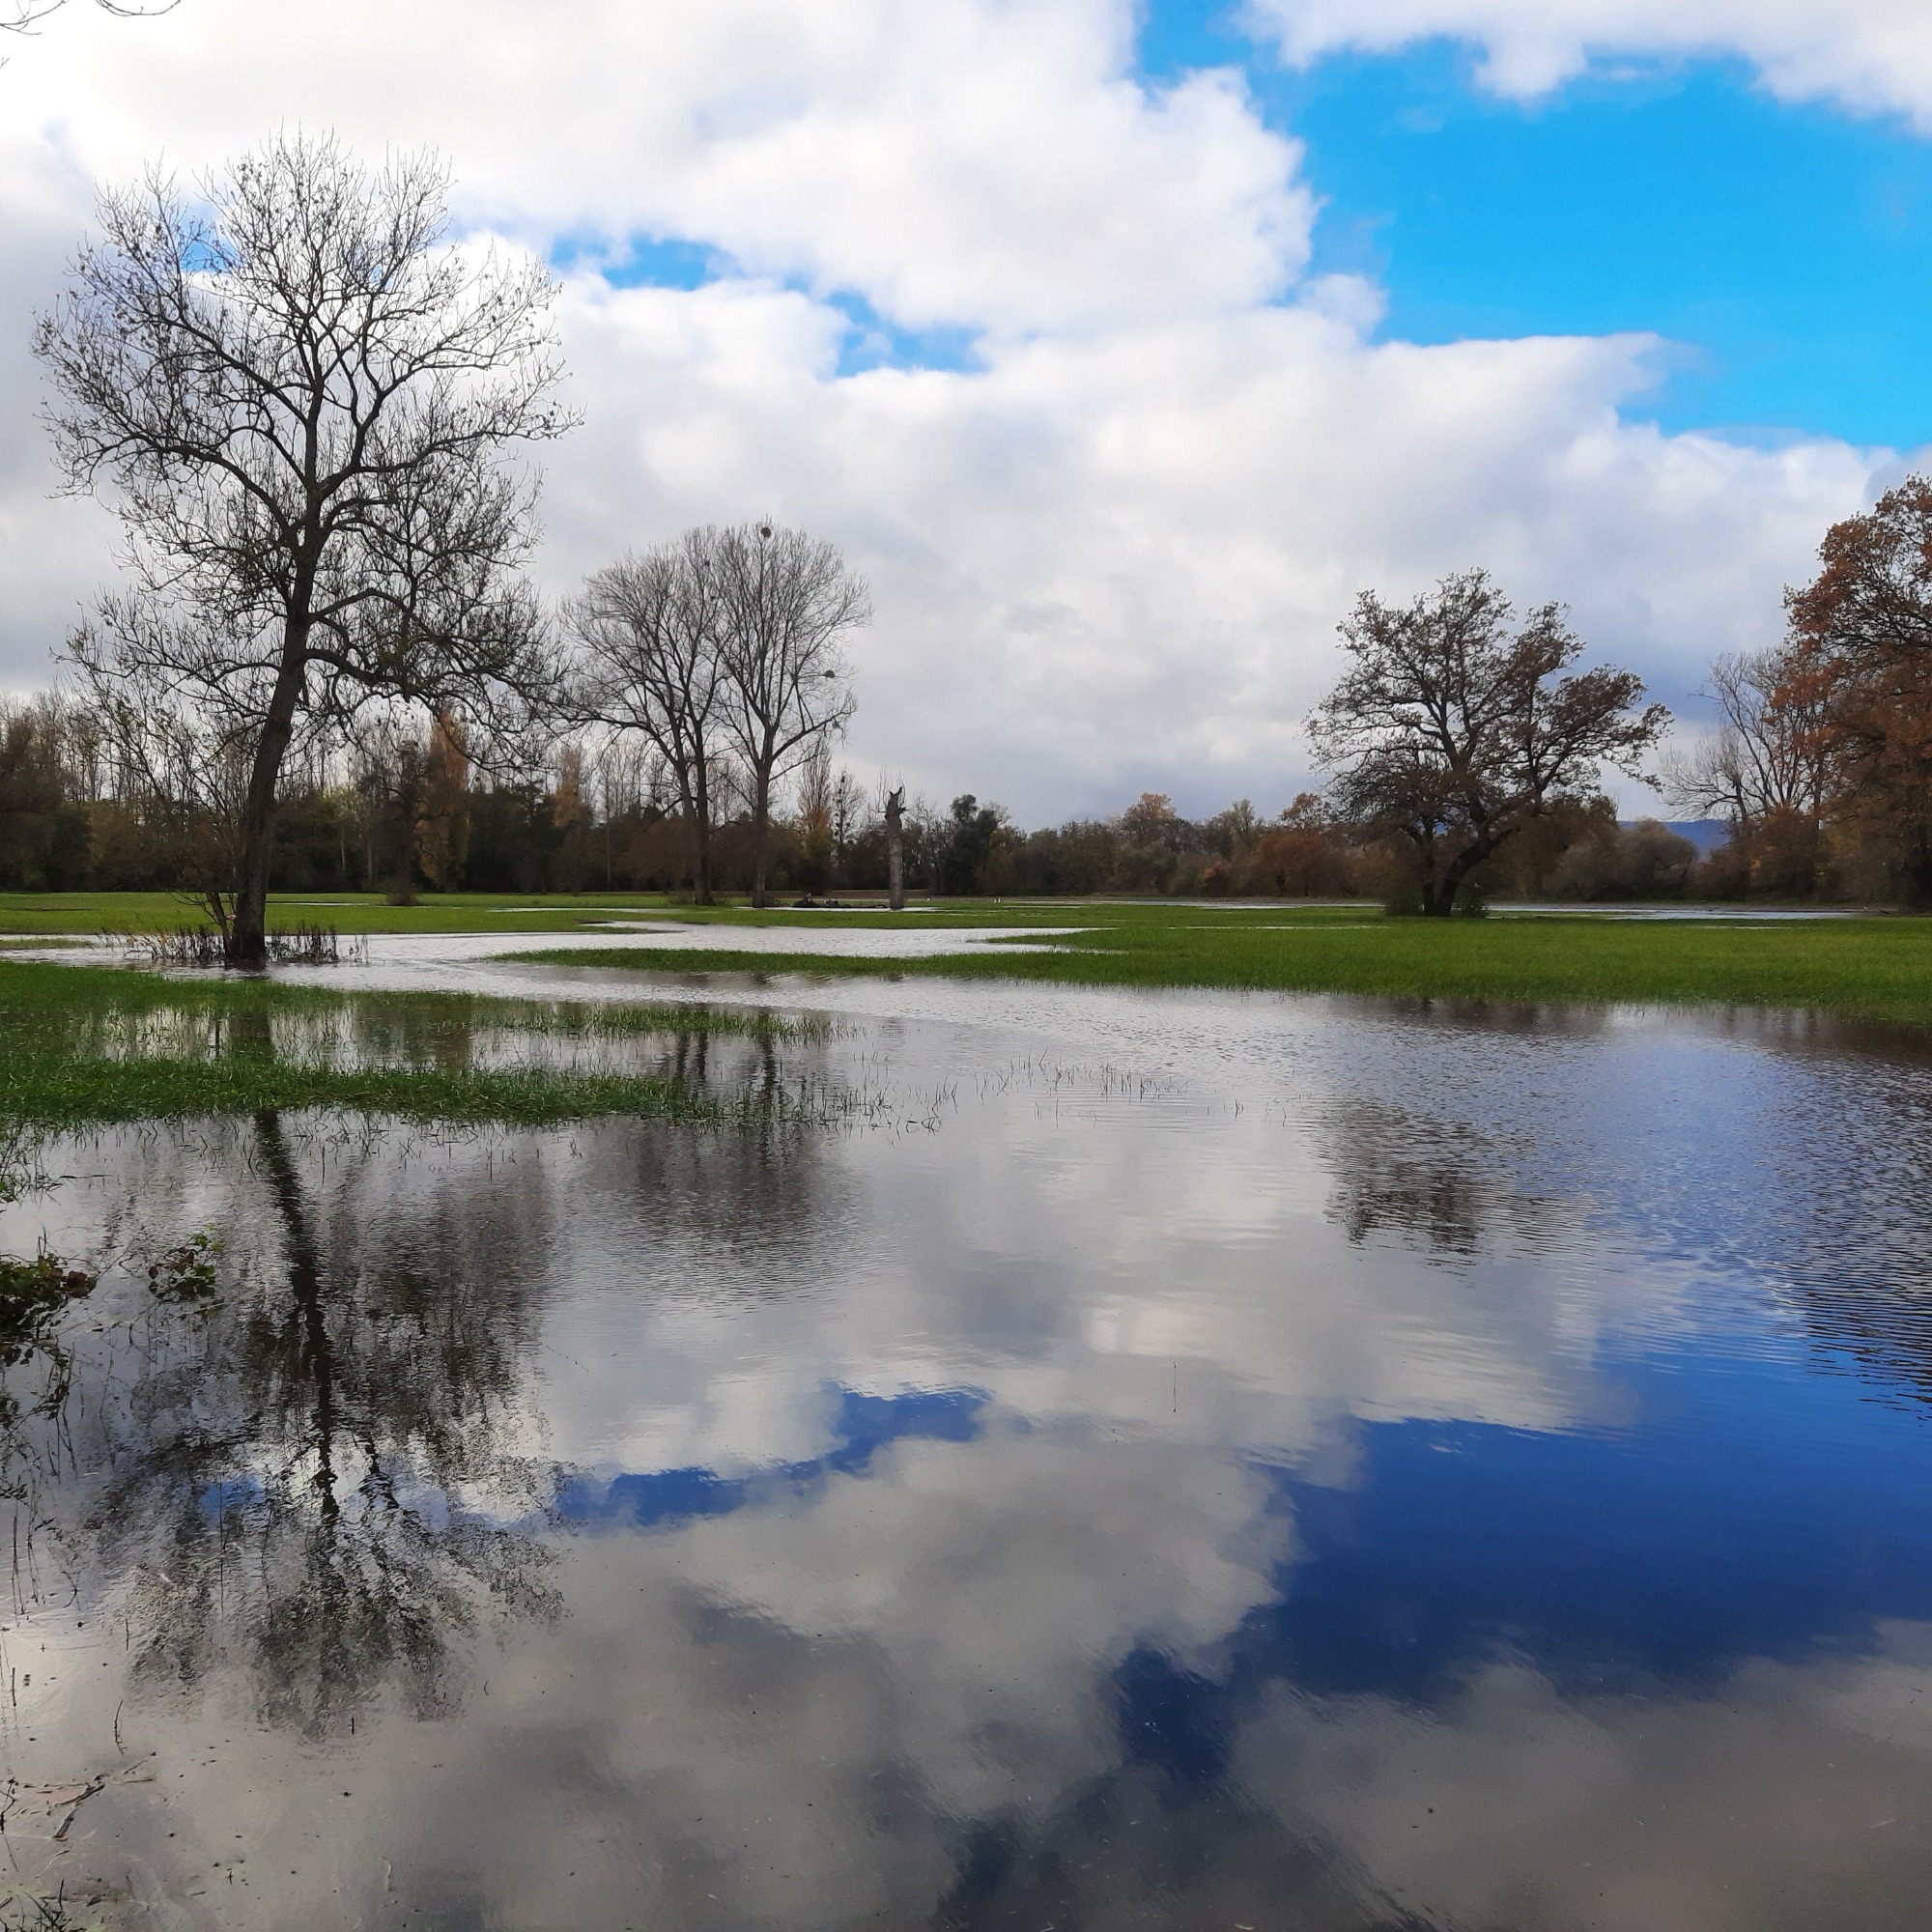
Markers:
{"x": 1091, "y": 1460}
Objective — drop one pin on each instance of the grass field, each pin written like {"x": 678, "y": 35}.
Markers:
{"x": 30, "y": 917}
{"x": 80, "y": 1045}
{"x": 1876, "y": 968}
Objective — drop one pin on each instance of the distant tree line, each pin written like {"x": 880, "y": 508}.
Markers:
{"x": 402, "y": 811}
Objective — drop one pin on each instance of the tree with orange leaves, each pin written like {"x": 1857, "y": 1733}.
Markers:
{"x": 1861, "y": 659}
{"x": 442, "y": 804}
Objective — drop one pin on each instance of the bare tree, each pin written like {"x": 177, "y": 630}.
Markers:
{"x": 789, "y": 602}
{"x": 648, "y": 630}
{"x": 180, "y": 768}
{"x": 298, "y": 398}
{"x": 1767, "y": 758}
{"x": 1447, "y": 731}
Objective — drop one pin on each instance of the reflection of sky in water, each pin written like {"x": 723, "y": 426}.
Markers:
{"x": 1177, "y": 1462}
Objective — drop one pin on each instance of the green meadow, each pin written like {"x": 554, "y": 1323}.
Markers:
{"x": 1876, "y": 967}
{"x": 84, "y": 1045}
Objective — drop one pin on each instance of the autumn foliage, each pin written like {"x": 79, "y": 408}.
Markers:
{"x": 1854, "y": 685}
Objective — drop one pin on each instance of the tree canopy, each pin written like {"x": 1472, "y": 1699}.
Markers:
{"x": 1452, "y": 727}
{"x": 1861, "y": 666}
{"x": 298, "y": 397}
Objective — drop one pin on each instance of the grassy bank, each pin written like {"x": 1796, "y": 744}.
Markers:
{"x": 84, "y": 1045}
{"x": 1878, "y": 968}
{"x": 30, "y": 916}
{"x": 1874, "y": 968}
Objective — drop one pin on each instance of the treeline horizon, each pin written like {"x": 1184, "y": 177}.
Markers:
{"x": 402, "y": 812}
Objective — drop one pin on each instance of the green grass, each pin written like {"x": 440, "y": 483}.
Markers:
{"x": 83, "y": 1045}
{"x": 1876, "y": 968}
{"x": 1872, "y": 968}
{"x": 28, "y": 916}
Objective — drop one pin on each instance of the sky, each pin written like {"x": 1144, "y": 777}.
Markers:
{"x": 1119, "y": 346}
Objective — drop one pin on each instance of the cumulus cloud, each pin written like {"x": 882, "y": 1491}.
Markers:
{"x": 1109, "y": 547}
{"x": 955, "y": 161}
{"x": 1114, "y": 562}
{"x": 1868, "y": 54}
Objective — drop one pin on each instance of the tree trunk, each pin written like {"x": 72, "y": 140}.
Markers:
{"x": 700, "y": 832}
{"x": 1459, "y": 869}
{"x": 1919, "y": 867}
{"x": 896, "y": 849}
{"x": 761, "y": 825}
{"x": 248, "y": 936}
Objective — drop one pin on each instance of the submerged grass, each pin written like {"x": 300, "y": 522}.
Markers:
{"x": 79, "y": 1092}
{"x": 1874, "y": 968}
{"x": 76, "y": 1048}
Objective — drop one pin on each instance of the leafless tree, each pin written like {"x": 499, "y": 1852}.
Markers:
{"x": 650, "y": 663}
{"x": 789, "y": 602}
{"x": 300, "y": 400}
{"x": 1766, "y": 758}
{"x": 178, "y": 765}
{"x": 1447, "y": 730}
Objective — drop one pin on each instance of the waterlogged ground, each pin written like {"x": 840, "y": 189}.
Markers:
{"x": 1098, "y": 1459}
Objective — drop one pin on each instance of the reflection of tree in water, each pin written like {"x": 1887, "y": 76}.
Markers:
{"x": 313, "y": 1479}
{"x": 291, "y": 1493}
{"x": 1437, "y": 1184}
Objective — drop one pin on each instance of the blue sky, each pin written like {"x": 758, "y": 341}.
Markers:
{"x": 1783, "y": 251}
{"x": 1786, "y": 249}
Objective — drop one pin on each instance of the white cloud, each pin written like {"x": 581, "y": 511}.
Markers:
{"x": 1868, "y": 54}
{"x": 955, "y": 161}
{"x": 1110, "y": 552}
{"x": 1116, "y": 561}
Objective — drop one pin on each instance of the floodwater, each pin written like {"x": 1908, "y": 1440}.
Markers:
{"x": 1110, "y": 1460}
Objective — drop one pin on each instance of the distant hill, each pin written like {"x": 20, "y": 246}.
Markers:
{"x": 1706, "y": 834}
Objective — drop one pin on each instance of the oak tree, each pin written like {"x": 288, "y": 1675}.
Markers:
{"x": 1453, "y": 727}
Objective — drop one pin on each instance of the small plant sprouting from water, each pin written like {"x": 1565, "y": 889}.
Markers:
{"x": 34, "y": 1913}
{"x": 288, "y": 945}
{"x": 31, "y": 1293}
{"x": 186, "y": 1273}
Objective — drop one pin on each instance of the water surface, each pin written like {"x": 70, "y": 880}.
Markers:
{"x": 1116, "y": 1460}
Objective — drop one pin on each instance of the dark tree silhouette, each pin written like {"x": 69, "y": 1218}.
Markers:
{"x": 790, "y": 601}
{"x": 648, "y": 629}
{"x": 298, "y": 400}
{"x": 1451, "y": 730}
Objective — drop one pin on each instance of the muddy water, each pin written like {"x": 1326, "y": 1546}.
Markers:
{"x": 1180, "y": 1462}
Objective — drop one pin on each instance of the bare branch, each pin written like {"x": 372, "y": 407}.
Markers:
{"x": 790, "y": 601}
{"x": 1447, "y": 730}
{"x": 300, "y": 399}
